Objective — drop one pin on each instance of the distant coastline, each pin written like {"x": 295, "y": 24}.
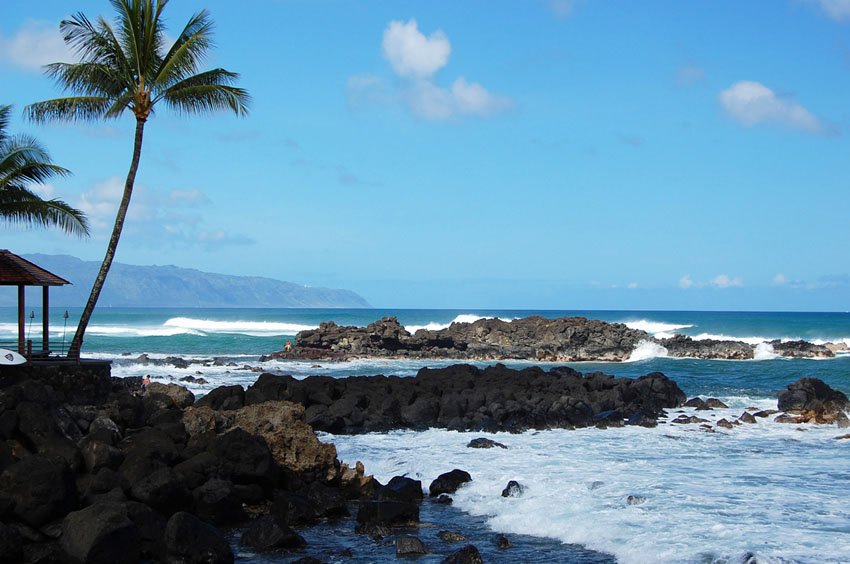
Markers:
{"x": 173, "y": 286}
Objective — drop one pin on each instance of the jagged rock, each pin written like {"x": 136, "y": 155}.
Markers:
{"x": 689, "y": 420}
{"x": 725, "y": 424}
{"x": 466, "y": 555}
{"x": 513, "y": 489}
{"x": 409, "y": 546}
{"x": 765, "y": 413}
{"x": 97, "y": 455}
{"x": 449, "y": 482}
{"x": 482, "y": 442}
{"x": 245, "y": 457}
{"x": 266, "y": 534}
{"x": 401, "y": 488}
{"x": 189, "y": 540}
{"x": 815, "y": 397}
{"x": 697, "y": 402}
{"x": 715, "y": 403}
{"x": 801, "y": 349}
{"x": 100, "y": 534}
{"x": 747, "y": 417}
{"x": 179, "y": 395}
{"x": 223, "y": 398}
{"x": 163, "y": 489}
{"x": 216, "y": 501}
{"x": 682, "y": 346}
{"x": 786, "y": 418}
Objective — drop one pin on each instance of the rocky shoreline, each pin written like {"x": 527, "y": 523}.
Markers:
{"x": 565, "y": 339}
{"x": 101, "y": 469}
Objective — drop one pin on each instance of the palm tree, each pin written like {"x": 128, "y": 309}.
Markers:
{"x": 127, "y": 68}
{"x": 23, "y": 162}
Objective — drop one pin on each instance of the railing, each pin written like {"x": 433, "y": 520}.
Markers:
{"x": 34, "y": 348}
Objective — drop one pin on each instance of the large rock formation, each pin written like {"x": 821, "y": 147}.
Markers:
{"x": 465, "y": 397}
{"x": 565, "y": 339}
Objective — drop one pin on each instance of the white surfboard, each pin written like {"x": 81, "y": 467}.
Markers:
{"x": 10, "y": 358}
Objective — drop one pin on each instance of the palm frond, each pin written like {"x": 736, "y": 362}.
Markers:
{"x": 90, "y": 79}
{"x": 202, "y": 98}
{"x": 5, "y": 118}
{"x": 75, "y": 108}
{"x": 24, "y": 160}
{"x": 21, "y": 206}
{"x": 188, "y": 52}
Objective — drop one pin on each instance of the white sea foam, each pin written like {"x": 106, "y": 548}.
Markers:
{"x": 646, "y": 350}
{"x": 710, "y": 497}
{"x": 462, "y": 318}
{"x": 655, "y": 328}
{"x": 721, "y": 337}
{"x": 764, "y": 351}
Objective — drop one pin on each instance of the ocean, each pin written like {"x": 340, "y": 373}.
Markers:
{"x": 776, "y": 491}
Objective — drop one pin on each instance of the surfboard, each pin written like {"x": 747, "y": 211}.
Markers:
{"x": 10, "y": 358}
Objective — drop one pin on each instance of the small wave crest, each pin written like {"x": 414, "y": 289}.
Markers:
{"x": 462, "y": 318}
{"x": 764, "y": 351}
{"x": 646, "y": 350}
{"x": 655, "y": 327}
{"x": 251, "y": 328}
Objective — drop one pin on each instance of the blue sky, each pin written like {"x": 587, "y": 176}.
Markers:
{"x": 540, "y": 154}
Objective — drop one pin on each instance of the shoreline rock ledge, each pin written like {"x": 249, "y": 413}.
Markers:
{"x": 541, "y": 339}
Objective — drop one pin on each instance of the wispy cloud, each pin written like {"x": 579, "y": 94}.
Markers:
{"x": 719, "y": 281}
{"x": 416, "y": 59}
{"x": 752, "y": 103}
{"x": 161, "y": 216}
{"x": 689, "y": 75}
{"x": 839, "y": 10}
{"x": 33, "y": 45}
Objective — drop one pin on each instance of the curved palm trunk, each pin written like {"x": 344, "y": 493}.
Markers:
{"x": 77, "y": 342}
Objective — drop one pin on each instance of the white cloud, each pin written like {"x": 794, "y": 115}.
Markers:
{"x": 752, "y": 103}
{"x": 416, "y": 59}
{"x": 780, "y": 280}
{"x": 838, "y": 10}
{"x": 413, "y": 55}
{"x": 686, "y": 282}
{"x": 34, "y": 45}
{"x": 632, "y": 285}
{"x": 726, "y": 281}
{"x": 561, "y": 8}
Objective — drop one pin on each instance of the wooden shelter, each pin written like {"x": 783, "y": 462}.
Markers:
{"x": 17, "y": 271}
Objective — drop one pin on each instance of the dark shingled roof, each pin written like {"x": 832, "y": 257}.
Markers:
{"x": 16, "y": 271}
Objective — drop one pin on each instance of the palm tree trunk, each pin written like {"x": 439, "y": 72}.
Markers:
{"x": 77, "y": 342}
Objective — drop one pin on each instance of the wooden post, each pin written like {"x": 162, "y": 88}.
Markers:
{"x": 21, "y": 322}
{"x": 45, "y": 323}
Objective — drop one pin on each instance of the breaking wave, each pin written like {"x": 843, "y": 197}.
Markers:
{"x": 655, "y": 328}
{"x": 646, "y": 350}
{"x": 462, "y": 318}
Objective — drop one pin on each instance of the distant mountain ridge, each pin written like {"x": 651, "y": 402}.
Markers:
{"x": 171, "y": 286}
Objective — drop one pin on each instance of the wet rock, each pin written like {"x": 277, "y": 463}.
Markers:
{"x": 100, "y": 534}
{"x": 450, "y": 536}
{"x": 189, "y": 540}
{"x": 765, "y": 413}
{"x": 725, "y": 424}
{"x": 635, "y": 500}
{"x": 715, "y": 403}
{"x": 483, "y": 442}
{"x": 747, "y": 417}
{"x": 688, "y": 420}
{"x": 842, "y": 420}
{"x": 375, "y": 515}
{"x": 801, "y": 349}
{"x": 513, "y": 489}
{"x": 786, "y": 418}
{"x": 501, "y": 541}
{"x": 466, "y": 555}
{"x": 409, "y": 546}
{"x": 266, "y": 534}
{"x": 443, "y": 499}
{"x": 448, "y": 482}
{"x": 697, "y": 402}
{"x": 641, "y": 419}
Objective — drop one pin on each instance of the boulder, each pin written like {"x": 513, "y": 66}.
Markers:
{"x": 151, "y": 526}
{"x": 814, "y": 396}
{"x": 448, "y": 482}
{"x": 97, "y": 455}
{"x": 178, "y": 395}
{"x": 10, "y": 545}
{"x": 163, "y": 489}
{"x": 466, "y": 555}
{"x": 501, "y": 541}
{"x": 450, "y": 536}
{"x": 376, "y": 515}
{"x": 409, "y": 546}
{"x": 41, "y": 488}
{"x": 401, "y": 488}
{"x": 223, "y": 398}
{"x": 100, "y": 534}
{"x": 216, "y": 501}
{"x": 188, "y": 540}
{"x": 245, "y": 457}
{"x": 266, "y": 534}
